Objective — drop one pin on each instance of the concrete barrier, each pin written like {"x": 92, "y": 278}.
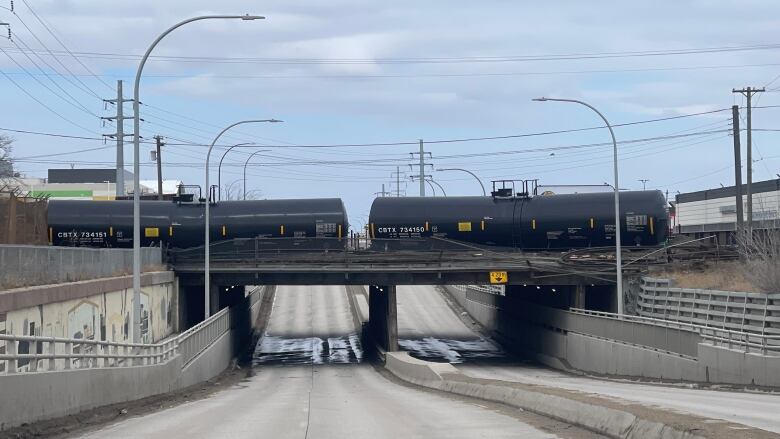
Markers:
{"x": 30, "y": 397}
{"x": 608, "y": 417}
{"x": 402, "y": 365}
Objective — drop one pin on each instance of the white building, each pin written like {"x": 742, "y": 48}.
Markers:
{"x": 714, "y": 211}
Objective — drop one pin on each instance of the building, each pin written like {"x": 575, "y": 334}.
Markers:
{"x": 714, "y": 211}
{"x": 86, "y": 184}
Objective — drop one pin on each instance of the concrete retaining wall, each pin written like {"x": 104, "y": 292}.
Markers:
{"x": 554, "y": 343}
{"x": 94, "y": 309}
{"x": 25, "y": 265}
{"x": 46, "y": 395}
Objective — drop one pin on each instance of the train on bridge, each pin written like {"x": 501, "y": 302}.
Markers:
{"x": 520, "y": 222}
{"x": 501, "y": 220}
{"x": 181, "y": 224}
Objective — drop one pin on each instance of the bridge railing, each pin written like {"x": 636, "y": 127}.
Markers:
{"x": 745, "y": 341}
{"x": 25, "y": 353}
{"x": 196, "y": 339}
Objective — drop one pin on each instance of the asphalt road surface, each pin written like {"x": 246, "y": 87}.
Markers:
{"x": 310, "y": 383}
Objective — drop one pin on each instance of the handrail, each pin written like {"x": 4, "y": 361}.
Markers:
{"x": 67, "y": 353}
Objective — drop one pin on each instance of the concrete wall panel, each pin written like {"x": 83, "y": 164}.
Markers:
{"x": 26, "y": 265}
{"x": 46, "y": 395}
{"x": 532, "y": 331}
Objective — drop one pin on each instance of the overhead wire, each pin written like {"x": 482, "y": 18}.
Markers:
{"x": 434, "y": 60}
{"x": 53, "y": 34}
{"x": 86, "y": 88}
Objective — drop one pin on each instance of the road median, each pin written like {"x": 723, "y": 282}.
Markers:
{"x": 615, "y": 419}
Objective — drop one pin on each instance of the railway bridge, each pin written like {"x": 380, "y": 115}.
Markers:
{"x": 263, "y": 261}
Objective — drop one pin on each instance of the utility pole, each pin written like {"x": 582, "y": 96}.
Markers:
{"x": 383, "y": 193}
{"x": 644, "y": 183}
{"x": 737, "y": 168}
{"x": 119, "y": 136}
{"x": 160, "y": 144}
{"x": 748, "y": 92}
{"x": 398, "y": 177}
{"x": 422, "y": 166}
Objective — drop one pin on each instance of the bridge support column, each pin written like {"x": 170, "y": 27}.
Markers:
{"x": 213, "y": 298}
{"x": 383, "y": 316}
{"x": 578, "y": 301}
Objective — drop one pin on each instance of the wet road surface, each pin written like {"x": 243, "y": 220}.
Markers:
{"x": 308, "y": 384}
{"x": 430, "y": 330}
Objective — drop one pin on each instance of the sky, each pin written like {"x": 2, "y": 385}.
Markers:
{"x": 383, "y": 75}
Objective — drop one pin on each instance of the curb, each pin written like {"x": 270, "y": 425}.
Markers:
{"x": 615, "y": 420}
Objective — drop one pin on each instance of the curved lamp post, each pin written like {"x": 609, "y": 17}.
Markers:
{"x": 245, "y": 165}
{"x": 207, "y": 214}
{"x": 472, "y": 174}
{"x": 219, "y": 168}
{"x": 137, "y": 167}
{"x": 433, "y": 189}
{"x": 438, "y": 185}
{"x": 618, "y": 256}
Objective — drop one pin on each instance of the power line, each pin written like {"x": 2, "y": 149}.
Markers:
{"x": 49, "y": 29}
{"x": 74, "y": 103}
{"x": 432, "y": 60}
{"x": 86, "y": 88}
{"x": 24, "y": 90}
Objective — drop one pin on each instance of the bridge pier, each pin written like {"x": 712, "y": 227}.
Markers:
{"x": 578, "y": 299}
{"x": 383, "y": 316}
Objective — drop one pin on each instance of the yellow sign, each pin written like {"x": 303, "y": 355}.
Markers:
{"x": 499, "y": 277}
{"x": 151, "y": 232}
{"x": 464, "y": 227}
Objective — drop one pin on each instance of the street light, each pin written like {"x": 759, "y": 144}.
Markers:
{"x": 219, "y": 168}
{"x": 618, "y": 256}
{"x": 208, "y": 211}
{"x": 439, "y": 186}
{"x": 472, "y": 174}
{"x": 137, "y": 167}
{"x": 644, "y": 182}
{"x": 246, "y": 163}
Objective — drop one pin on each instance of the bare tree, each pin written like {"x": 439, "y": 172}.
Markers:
{"x": 232, "y": 191}
{"x": 6, "y": 162}
{"x": 761, "y": 252}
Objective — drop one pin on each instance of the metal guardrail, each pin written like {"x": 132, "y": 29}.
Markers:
{"x": 24, "y": 353}
{"x": 755, "y": 313}
{"x": 746, "y": 341}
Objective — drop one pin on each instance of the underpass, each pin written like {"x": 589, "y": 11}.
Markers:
{"x": 311, "y": 380}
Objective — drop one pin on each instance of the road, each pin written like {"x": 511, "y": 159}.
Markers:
{"x": 310, "y": 383}
{"x": 758, "y": 410}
